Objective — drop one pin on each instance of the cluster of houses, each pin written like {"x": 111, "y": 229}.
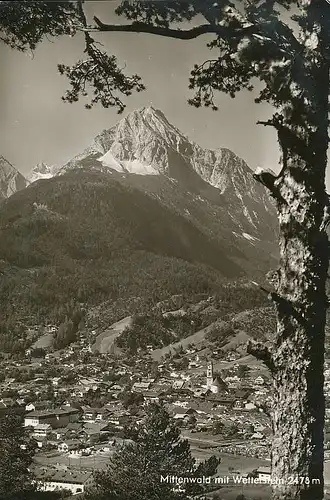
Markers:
{"x": 81, "y": 409}
{"x": 197, "y": 404}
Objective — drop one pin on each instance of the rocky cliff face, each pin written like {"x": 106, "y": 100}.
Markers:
{"x": 145, "y": 144}
{"x": 11, "y": 180}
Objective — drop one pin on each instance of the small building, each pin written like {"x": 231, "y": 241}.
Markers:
{"x": 93, "y": 432}
{"x": 116, "y": 388}
{"x": 263, "y": 473}
{"x": 38, "y": 405}
{"x": 89, "y": 413}
{"x": 8, "y": 402}
{"x": 178, "y": 384}
{"x": 152, "y": 395}
{"x": 56, "y": 381}
{"x": 42, "y": 430}
{"x": 69, "y": 445}
{"x": 214, "y": 383}
{"x": 224, "y": 400}
{"x": 58, "y": 417}
{"x": 58, "y": 434}
{"x": 250, "y": 406}
{"x": 73, "y": 481}
{"x": 141, "y": 386}
{"x": 259, "y": 380}
{"x": 183, "y": 415}
{"x": 257, "y": 435}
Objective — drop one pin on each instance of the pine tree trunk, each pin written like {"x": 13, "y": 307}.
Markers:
{"x": 298, "y": 353}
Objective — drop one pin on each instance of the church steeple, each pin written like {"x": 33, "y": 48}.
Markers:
{"x": 209, "y": 375}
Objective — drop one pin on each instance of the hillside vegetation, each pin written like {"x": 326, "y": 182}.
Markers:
{"x": 84, "y": 238}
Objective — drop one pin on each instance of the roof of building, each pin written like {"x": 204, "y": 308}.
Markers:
{"x": 42, "y": 427}
{"x": 141, "y": 385}
{"x": 90, "y": 428}
{"x": 219, "y": 382}
{"x": 61, "y": 430}
{"x": 70, "y": 442}
{"x": 66, "y": 477}
{"x": 74, "y": 426}
{"x": 48, "y": 413}
{"x": 264, "y": 470}
{"x": 221, "y": 398}
{"x": 178, "y": 384}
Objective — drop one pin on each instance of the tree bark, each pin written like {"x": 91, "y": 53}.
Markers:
{"x": 300, "y": 299}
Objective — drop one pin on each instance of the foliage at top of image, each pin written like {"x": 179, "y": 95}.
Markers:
{"x": 251, "y": 42}
{"x": 27, "y": 23}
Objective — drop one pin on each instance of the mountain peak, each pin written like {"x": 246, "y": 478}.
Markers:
{"x": 11, "y": 180}
{"x": 144, "y": 142}
{"x": 40, "y": 171}
{"x": 150, "y": 109}
{"x": 150, "y": 118}
{"x": 4, "y": 161}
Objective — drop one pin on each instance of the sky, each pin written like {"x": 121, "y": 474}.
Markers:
{"x": 36, "y": 126}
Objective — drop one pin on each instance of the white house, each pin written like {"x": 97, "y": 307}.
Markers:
{"x": 259, "y": 380}
{"x": 250, "y": 406}
{"x": 257, "y": 435}
{"x": 264, "y": 473}
{"x": 76, "y": 482}
{"x": 42, "y": 430}
{"x": 56, "y": 380}
{"x": 58, "y": 417}
{"x": 68, "y": 445}
{"x": 141, "y": 386}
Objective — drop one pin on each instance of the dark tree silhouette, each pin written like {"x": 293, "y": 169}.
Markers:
{"x": 16, "y": 451}
{"x": 138, "y": 470}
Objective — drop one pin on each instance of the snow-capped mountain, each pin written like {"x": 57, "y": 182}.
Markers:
{"x": 11, "y": 180}
{"x": 41, "y": 171}
{"x": 144, "y": 144}
{"x": 140, "y": 144}
{"x": 143, "y": 190}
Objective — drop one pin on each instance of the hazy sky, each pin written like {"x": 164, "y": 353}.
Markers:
{"x": 37, "y": 126}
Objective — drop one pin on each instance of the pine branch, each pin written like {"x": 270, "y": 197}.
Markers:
{"x": 275, "y": 30}
{"x": 267, "y": 179}
{"x": 261, "y": 352}
{"x": 140, "y": 27}
{"x": 289, "y": 139}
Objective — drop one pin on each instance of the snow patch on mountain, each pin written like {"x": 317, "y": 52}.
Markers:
{"x": 131, "y": 166}
{"x": 249, "y": 237}
{"x": 144, "y": 143}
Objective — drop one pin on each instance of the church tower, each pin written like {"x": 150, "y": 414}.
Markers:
{"x": 209, "y": 375}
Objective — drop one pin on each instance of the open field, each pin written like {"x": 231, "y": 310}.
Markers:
{"x": 105, "y": 340}
{"x": 96, "y": 461}
{"x": 194, "y": 339}
{"x": 44, "y": 341}
{"x": 248, "y": 360}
